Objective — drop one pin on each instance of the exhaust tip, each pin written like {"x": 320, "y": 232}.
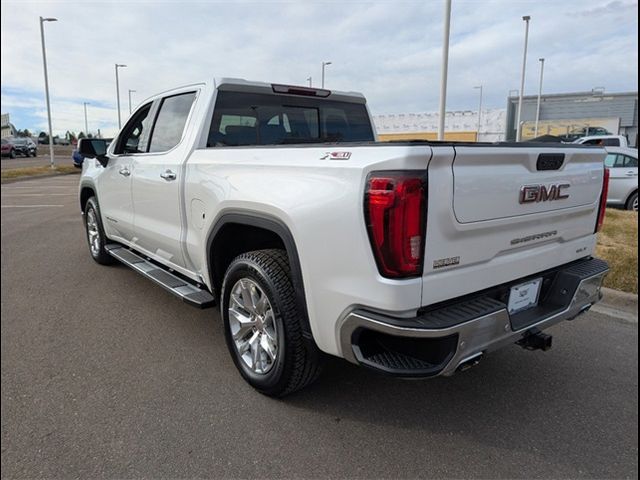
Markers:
{"x": 470, "y": 362}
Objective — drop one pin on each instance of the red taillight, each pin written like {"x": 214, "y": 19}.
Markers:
{"x": 395, "y": 206}
{"x": 603, "y": 199}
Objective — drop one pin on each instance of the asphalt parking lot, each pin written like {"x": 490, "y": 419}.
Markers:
{"x": 106, "y": 375}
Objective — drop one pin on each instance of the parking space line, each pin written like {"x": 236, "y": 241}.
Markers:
{"x": 29, "y": 206}
{"x": 39, "y": 195}
{"x": 39, "y": 185}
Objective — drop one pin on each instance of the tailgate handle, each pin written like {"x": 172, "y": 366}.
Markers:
{"x": 550, "y": 161}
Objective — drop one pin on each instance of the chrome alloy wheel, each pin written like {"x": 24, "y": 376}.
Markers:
{"x": 253, "y": 326}
{"x": 635, "y": 204}
{"x": 93, "y": 233}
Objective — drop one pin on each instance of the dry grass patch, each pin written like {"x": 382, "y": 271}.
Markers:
{"x": 37, "y": 171}
{"x": 618, "y": 245}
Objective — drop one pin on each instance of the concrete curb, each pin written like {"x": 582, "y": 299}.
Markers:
{"x": 619, "y": 305}
{"x": 620, "y": 300}
{"x": 35, "y": 177}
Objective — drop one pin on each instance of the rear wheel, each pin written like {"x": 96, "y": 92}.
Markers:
{"x": 12, "y": 153}
{"x": 262, "y": 324}
{"x": 632, "y": 203}
{"x": 95, "y": 233}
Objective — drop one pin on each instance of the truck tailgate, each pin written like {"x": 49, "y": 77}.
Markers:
{"x": 508, "y": 182}
{"x": 482, "y": 232}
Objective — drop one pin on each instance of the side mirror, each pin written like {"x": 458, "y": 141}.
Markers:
{"x": 94, "y": 148}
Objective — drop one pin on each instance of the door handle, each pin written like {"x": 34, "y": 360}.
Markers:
{"x": 631, "y": 174}
{"x": 168, "y": 175}
{"x": 124, "y": 172}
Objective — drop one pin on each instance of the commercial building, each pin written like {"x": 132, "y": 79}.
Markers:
{"x": 459, "y": 126}
{"x": 8, "y": 130}
{"x": 563, "y": 112}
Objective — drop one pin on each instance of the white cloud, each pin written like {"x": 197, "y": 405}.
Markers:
{"x": 389, "y": 50}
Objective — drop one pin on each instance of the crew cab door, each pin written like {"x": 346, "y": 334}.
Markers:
{"x": 156, "y": 181}
{"x": 114, "y": 184}
{"x": 624, "y": 176}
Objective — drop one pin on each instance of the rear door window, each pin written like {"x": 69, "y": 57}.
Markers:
{"x": 170, "y": 122}
{"x": 610, "y": 160}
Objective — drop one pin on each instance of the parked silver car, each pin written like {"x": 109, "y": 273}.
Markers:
{"x": 623, "y": 185}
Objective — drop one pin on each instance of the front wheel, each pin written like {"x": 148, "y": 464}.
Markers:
{"x": 262, "y": 324}
{"x": 95, "y": 233}
{"x": 632, "y": 203}
{"x": 12, "y": 154}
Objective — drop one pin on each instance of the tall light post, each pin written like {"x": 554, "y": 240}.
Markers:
{"x": 46, "y": 86}
{"x": 526, "y": 19}
{"x": 539, "y": 97}
{"x": 118, "y": 93}
{"x": 130, "y": 92}
{"x": 479, "y": 111}
{"x": 445, "y": 67}
{"x": 324, "y": 64}
{"x": 309, "y": 80}
{"x": 86, "y": 124}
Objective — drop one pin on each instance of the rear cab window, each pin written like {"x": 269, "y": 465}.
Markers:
{"x": 245, "y": 119}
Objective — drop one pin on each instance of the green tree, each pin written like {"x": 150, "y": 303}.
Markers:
{"x": 81, "y": 135}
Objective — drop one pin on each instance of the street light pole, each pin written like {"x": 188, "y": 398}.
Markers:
{"x": 539, "y": 96}
{"x": 309, "y": 80}
{"x": 445, "y": 67}
{"x": 130, "y": 92}
{"x": 479, "y": 111}
{"x": 118, "y": 93}
{"x": 324, "y": 64}
{"x": 46, "y": 87}
{"x": 526, "y": 18}
{"x": 86, "y": 125}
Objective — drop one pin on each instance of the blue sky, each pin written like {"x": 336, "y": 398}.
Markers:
{"x": 389, "y": 50}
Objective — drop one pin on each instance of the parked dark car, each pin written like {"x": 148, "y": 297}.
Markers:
{"x": 25, "y": 146}
{"x": 78, "y": 158}
{"x": 584, "y": 132}
{"x": 8, "y": 149}
{"x": 12, "y": 147}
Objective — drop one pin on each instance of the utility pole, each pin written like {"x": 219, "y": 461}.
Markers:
{"x": 324, "y": 64}
{"x": 118, "y": 94}
{"x": 309, "y": 80}
{"x": 445, "y": 67}
{"x": 86, "y": 127}
{"x": 526, "y": 19}
{"x": 539, "y": 96}
{"x": 479, "y": 111}
{"x": 46, "y": 87}
{"x": 130, "y": 92}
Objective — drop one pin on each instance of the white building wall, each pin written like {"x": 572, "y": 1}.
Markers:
{"x": 492, "y": 128}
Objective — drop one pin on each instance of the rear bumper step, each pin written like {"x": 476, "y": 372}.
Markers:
{"x": 447, "y": 339}
{"x": 187, "y": 291}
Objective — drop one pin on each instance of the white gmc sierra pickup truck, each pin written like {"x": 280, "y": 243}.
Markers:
{"x": 277, "y": 204}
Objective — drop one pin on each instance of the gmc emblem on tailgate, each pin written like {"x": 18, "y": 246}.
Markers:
{"x": 543, "y": 193}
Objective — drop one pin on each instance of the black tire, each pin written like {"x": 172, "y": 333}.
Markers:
{"x": 298, "y": 361}
{"x": 100, "y": 254}
{"x": 12, "y": 153}
{"x": 632, "y": 203}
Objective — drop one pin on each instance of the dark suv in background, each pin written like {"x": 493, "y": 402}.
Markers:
{"x": 12, "y": 147}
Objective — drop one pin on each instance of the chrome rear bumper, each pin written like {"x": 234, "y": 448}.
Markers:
{"x": 466, "y": 330}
